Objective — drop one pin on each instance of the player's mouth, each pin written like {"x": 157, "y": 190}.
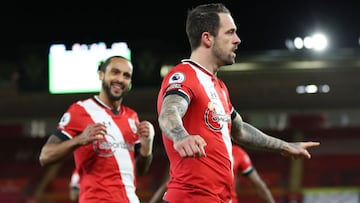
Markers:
{"x": 117, "y": 87}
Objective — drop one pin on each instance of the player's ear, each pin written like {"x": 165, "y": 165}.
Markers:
{"x": 101, "y": 75}
{"x": 101, "y": 70}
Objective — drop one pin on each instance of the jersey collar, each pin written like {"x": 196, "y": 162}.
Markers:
{"x": 202, "y": 68}
{"x": 115, "y": 111}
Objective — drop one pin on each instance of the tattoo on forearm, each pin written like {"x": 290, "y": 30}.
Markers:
{"x": 170, "y": 119}
{"x": 257, "y": 139}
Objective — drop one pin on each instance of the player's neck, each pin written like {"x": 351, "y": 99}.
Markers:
{"x": 112, "y": 105}
{"x": 204, "y": 62}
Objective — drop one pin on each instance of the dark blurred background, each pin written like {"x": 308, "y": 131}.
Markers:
{"x": 288, "y": 92}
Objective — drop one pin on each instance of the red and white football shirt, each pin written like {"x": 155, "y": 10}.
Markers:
{"x": 106, "y": 167}
{"x": 207, "y": 179}
{"x": 242, "y": 165}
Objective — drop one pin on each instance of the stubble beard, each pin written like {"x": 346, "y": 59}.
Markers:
{"x": 225, "y": 58}
{"x": 110, "y": 95}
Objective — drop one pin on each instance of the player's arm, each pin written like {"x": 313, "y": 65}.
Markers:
{"x": 56, "y": 149}
{"x": 170, "y": 118}
{"x": 173, "y": 109}
{"x": 247, "y": 135}
{"x": 142, "y": 162}
{"x": 144, "y": 155}
{"x": 159, "y": 193}
{"x": 260, "y": 187}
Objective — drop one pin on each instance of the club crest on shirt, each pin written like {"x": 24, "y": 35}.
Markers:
{"x": 215, "y": 119}
{"x": 65, "y": 119}
{"x": 177, "y": 77}
{"x": 132, "y": 125}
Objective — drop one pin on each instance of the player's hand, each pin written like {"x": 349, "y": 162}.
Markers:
{"x": 298, "y": 150}
{"x": 91, "y": 133}
{"x": 146, "y": 132}
{"x": 191, "y": 146}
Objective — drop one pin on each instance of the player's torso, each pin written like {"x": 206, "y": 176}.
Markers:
{"x": 208, "y": 115}
{"x": 107, "y": 165}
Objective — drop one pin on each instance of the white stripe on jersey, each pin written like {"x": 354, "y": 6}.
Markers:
{"x": 209, "y": 88}
{"x": 122, "y": 156}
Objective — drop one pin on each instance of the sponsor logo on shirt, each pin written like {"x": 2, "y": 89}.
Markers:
{"x": 107, "y": 146}
{"x": 215, "y": 119}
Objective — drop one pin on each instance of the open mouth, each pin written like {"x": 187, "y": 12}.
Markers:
{"x": 117, "y": 88}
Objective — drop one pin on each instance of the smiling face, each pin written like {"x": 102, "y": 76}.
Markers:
{"x": 116, "y": 78}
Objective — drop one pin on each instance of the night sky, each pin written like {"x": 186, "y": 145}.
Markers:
{"x": 262, "y": 25}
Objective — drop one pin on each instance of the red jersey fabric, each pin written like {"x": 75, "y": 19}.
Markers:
{"x": 208, "y": 179}
{"x": 106, "y": 167}
{"x": 242, "y": 166}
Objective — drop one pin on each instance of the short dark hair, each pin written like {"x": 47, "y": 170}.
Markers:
{"x": 103, "y": 64}
{"x": 203, "y": 18}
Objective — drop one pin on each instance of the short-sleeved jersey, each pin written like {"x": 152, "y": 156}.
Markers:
{"x": 207, "y": 179}
{"x": 106, "y": 167}
{"x": 242, "y": 166}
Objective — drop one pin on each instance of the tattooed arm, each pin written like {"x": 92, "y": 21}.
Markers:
{"x": 170, "y": 121}
{"x": 247, "y": 135}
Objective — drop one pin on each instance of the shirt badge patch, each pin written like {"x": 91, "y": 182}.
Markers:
{"x": 177, "y": 77}
{"x": 132, "y": 125}
{"x": 65, "y": 119}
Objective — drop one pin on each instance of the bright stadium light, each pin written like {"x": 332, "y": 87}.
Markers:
{"x": 289, "y": 44}
{"x": 298, "y": 43}
{"x": 325, "y": 88}
{"x": 317, "y": 42}
{"x": 312, "y": 89}
{"x": 308, "y": 42}
{"x": 320, "y": 41}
